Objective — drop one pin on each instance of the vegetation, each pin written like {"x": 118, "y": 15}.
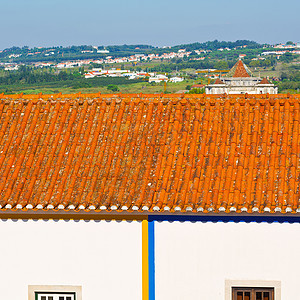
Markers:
{"x": 113, "y": 88}
{"x": 196, "y": 91}
{"x": 58, "y": 54}
{"x": 290, "y": 80}
{"x": 284, "y": 72}
{"x": 27, "y": 78}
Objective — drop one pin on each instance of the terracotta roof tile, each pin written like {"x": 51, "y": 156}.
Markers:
{"x": 239, "y": 70}
{"x": 264, "y": 81}
{"x": 150, "y": 152}
{"x": 195, "y": 86}
{"x": 218, "y": 81}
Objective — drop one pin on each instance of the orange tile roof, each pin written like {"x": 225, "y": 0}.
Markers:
{"x": 264, "y": 81}
{"x": 218, "y": 81}
{"x": 194, "y": 86}
{"x": 239, "y": 70}
{"x": 150, "y": 152}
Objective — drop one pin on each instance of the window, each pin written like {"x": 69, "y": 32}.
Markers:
{"x": 54, "y": 292}
{"x": 55, "y": 296}
{"x": 257, "y": 293}
{"x": 252, "y": 289}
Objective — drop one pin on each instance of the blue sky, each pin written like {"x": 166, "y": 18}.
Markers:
{"x": 155, "y": 22}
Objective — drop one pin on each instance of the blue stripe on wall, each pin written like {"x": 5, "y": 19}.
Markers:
{"x": 151, "y": 259}
{"x": 226, "y": 218}
{"x": 203, "y": 218}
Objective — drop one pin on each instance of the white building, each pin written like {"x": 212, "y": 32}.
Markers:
{"x": 158, "y": 78}
{"x": 103, "y": 51}
{"x": 107, "y": 73}
{"x": 149, "y": 197}
{"x": 176, "y": 79}
{"x": 240, "y": 81}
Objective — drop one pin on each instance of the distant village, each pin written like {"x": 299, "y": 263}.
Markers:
{"x": 151, "y": 76}
{"x": 107, "y": 60}
{"x": 279, "y": 50}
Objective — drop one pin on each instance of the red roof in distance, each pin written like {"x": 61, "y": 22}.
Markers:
{"x": 264, "y": 81}
{"x": 240, "y": 70}
{"x": 219, "y": 81}
{"x": 197, "y": 86}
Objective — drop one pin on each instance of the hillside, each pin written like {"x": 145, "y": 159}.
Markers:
{"x": 63, "y": 69}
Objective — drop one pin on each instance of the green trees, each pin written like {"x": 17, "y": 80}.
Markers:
{"x": 214, "y": 45}
{"x": 27, "y": 75}
{"x": 262, "y": 63}
{"x": 113, "y": 88}
{"x": 287, "y": 57}
{"x": 290, "y": 80}
{"x": 81, "y": 70}
{"x": 221, "y": 65}
{"x": 254, "y": 63}
{"x": 197, "y": 91}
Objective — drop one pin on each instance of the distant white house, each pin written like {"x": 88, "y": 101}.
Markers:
{"x": 153, "y": 77}
{"x": 176, "y": 79}
{"x": 106, "y": 73}
{"x": 11, "y": 67}
{"x": 102, "y": 51}
{"x": 158, "y": 78}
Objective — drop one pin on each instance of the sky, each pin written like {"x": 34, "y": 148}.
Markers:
{"x": 47, "y": 23}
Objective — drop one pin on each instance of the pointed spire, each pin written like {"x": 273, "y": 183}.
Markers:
{"x": 264, "y": 81}
{"x": 239, "y": 70}
{"x": 219, "y": 81}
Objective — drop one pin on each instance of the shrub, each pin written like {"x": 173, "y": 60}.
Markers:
{"x": 113, "y": 88}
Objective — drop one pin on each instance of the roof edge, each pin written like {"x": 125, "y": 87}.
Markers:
{"x": 149, "y": 98}
{"x": 152, "y": 216}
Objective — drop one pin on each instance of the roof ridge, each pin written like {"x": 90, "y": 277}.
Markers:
{"x": 239, "y": 70}
{"x": 146, "y": 98}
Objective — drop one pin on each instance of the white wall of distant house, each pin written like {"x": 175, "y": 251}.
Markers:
{"x": 102, "y": 257}
{"x": 193, "y": 260}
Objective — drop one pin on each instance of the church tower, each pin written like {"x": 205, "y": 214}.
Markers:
{"x": 240, "y": 80}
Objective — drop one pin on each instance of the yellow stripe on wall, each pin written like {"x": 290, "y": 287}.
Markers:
{"x": 145, "y": 263}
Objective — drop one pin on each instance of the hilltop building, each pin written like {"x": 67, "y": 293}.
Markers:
{"x": 149, "y": 197}
{"x": 239, "y": 80}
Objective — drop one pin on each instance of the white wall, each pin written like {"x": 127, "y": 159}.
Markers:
{"x": 193, "y": 260}
{"x": 103, "y": 257}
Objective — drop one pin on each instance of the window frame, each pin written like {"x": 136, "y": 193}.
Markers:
{"x": 255, "y": 284}
{"x": 34, "y": 290}
{"x": 38, "y": 293}
{"x": 252, "y": 291}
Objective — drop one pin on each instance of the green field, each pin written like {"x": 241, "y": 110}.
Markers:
{"x": 85, "y": 86}
{"x": 29, "y": 80}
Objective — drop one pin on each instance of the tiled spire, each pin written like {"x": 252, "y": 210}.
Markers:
{"x": 239, "y": 70}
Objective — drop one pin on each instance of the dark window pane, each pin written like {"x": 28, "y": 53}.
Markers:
{"x": 69, "y": 298}
{"x": 43, "y": 297}
{"x": 240, "y": 296}
{"x": 61, "y": 298}
{"x": 266, "y": 296}
{"x": 258, "y": 295}
{"x": 50, "y": 297}
{"x": 247, "y": 296}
